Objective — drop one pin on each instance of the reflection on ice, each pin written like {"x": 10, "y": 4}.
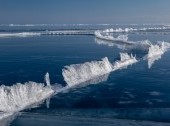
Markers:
{"x": 48, "y": 103}
{"x": 98, "y": 117}
{"x": 7, "y": 118}
{"x": 152, "y": 60}
{"x": 122, "y": 46}
{"x": 97, "y": 79}
{"x": 128, "y": 45}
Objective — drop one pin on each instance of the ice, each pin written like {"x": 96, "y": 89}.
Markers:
{"x": 47, "y": 79}
{"x": 78, "y": 73}
{"x": 7, "y": 118}
{"x": 140, "y": 45}
{"x": 119, "y": 30}
{"x": 124, "y": 61}
{"x": 68, "y": 32}
{"x": 22, "y": 34}
{"x": 99, "y": 35}
{"x": 156, "y": 51}
{"x": 21, "y": 96}
{"x": 31, "y": 34}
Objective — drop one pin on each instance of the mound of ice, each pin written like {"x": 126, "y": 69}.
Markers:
{"x": 21, "y": 96}
{"x": 111, "y": 38}
{"x": 93, "y": 71}
{"x": 156, "y": 51}
{"x": 22, "y": 34}
{"x": 79, "y": 73}
{"x": 165, "y": 45}
{"x": 100, "y": 36}
{"x": 125, "y": 60}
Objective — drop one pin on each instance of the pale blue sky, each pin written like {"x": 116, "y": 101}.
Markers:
{"x": 84, "y": 11}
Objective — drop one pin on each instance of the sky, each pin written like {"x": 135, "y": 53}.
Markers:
{"x": 84, "y": 11}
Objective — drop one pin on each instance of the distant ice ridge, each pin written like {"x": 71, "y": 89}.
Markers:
{"x": 79, "y": 73}
{"x": 119, "y": 30}
{"x": 21, "y": 96}
{"x": 19, "y": 25}
{"x": 69, "y": 32}
{"x": 123, "y": 38}
{"x": 22, "y": 34}
{"x": 125, "y": 43}
{"x": 156, "y": 51}
{"x": 133, "y": 29}
{"x": 120, "y": 38}
{"x": 30, "y": 34}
